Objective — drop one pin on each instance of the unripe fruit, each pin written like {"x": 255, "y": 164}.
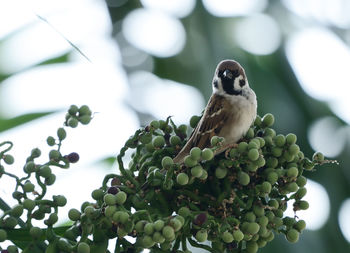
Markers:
{"x": 149, "y": 229}
{"x": 147, "y": 241}
{"x": 280, "y": 140}
{"x": 60, "y": 200}
{"x": 291, "y": 139}
{"x": 182, "y": 128}
{"x": 204, "y": 175}
{"x": 238, "y": 235}
{"x": 72, "y": 122}
{"x": 258, "y": 210}
{"x": 158, "y": 225}
{"x": 167, "y": 162}
{"x": 61, "y": 133}
{"x": 155, "y": 124}
{"x": 277, "y": 152}
{"x": 220, "y": 173}
{"x": 242, "y": 147}
{"x": 214, "y": 140}
{"x": 120, "y": 198}
{"x": 207, "y": 154}
{"x": 17, "y": 210}
{"x": 292, "y": 235}
{"x": 292, "y": 172}
{"x": 243, "y": 178}
{"x": 73, "y": 110}
{"x": 74, "y": 214}
{"x": 202, "y": 235}
{"x": 84, "y": 110}
{"x": 252, "y": 247}
{"x": 97, "y": 194}
{"x": 301, "y": 181}
{"x": 272, "y": 177}
{"x": 158, "y": 141}
{"x": 28, "y": 187}
{"x": 300, "y": 225}
{"x": 189, "y": 161}
{"x": 83, "y": 247}
{"x": 8, "y": 159}
{"x": 85, "y": 119}
{"x": 53, "y": 218}
{"x": 303, "y": 205}
{"x": 272, "y": 162}
{"x": 175, "y": 140}
{"x": 158, "y": 237}
{"x": 182, "y": 178}
{"x": 318, "y": 157}
{"x": 168, "y": 232}
{"x": 293, "y": 149}
{"x": 268, "y": 120}
{"x": 140, "y": 226}
{"x": 195, "y": 153}
{"x": 292, "y": 187}
{"x": 176, "y": 224}
{"x": 253, "y": 154}
{"x": 54, "y": 154}
{"x": 227, "y": 237}
{"x": 3, "y": 235}
{"x": 266, "y": 187}
{"x": 110, "y": 199}
{"x": 254, "y": 144}
{"x": 253, "y": 228}
{"x": 184, "y": 211}
{"x": 301, "y": 193}
{"x": 28, "y": 204}
{"x": 250, "y": 133}
{"x": 29, "y": 167}
{"x": 263, "y": 221}
{"x": 50, "y": 180}
{"x": 197, "y": 171}
{"x": 273, "y": 203}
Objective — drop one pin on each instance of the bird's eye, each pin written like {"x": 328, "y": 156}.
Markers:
{"x": 241, "y": 83}
{"x": 227, "y": 74}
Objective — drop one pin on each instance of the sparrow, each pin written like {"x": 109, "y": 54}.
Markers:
{"x": 229, "y": 113}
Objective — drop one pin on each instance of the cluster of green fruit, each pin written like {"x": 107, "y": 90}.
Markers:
{"x": 235, "y": 199}
{"x": 31, "y": 188}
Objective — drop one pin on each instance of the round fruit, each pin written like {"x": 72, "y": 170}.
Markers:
{"x": 120, "y": 197}
{"x": 253, "y": 154}
{"x": 292, "y": 235}
{"x": 227, "y": 237}
{"x": 182, "y": 178}
{"x": 268, "y": 120}
{"x": 202, "y": 235}
{"x": 243, "y": 178}
{"x": 207, "y": 154}
{"x": 220, "y": 173}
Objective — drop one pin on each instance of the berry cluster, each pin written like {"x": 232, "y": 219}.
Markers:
{"x": 31, "y": 188}
{"x": 235, "y": 200}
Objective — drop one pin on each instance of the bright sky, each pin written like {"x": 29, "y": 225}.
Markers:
{"x": 102, "y": 84}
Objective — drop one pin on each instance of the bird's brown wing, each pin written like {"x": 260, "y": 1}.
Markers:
{"x": 211, "y": 123}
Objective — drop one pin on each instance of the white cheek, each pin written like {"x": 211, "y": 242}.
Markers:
{"x": 236, "y": 82}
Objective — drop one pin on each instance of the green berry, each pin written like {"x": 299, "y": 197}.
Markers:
{"x": 53, "y": 218}
{"x": 263, "y": 221}
{"x": 195, "y": 153}
{"x": 273, "y": 203}
{"x": 292, "y": 187}
{"x": 270, "y": 132}
{"x": 73, "y": 109}
{"x": 28, "y": 187}
{"x": 158, "y": 237}
{"x": 158, "y": 225}
{"x": 74, "y": 214}
{"x": 300, "y": 225}
{"x": 110, "y": 210}
{"x": 17, "y": 210}
{"x": 250, "y": 133}
{"x": 110, "y": 199}
{"x": 72, "y": 122}
{"x": 146, "y": 138}
{"x": 12, "y": 249}
{"x": 266, "y": 187}
{"x": 202, "y": 235}
{"x": 272, "y": 162}
{"x": 50, "y": 180}
{"x": 147, "y": 241}
{"x": 268, "y": 120}
{"x": 97, "y": 194}
{"x": 243, "y": 178}
{"x": 176, "y": 224}
{"x": 182, "y": 178}
{"x": 149, "y": 229}
{"x": 279, "y": 140}
{"x": 85, "y": 119}
{"x": 120, "y": 216}
{"x": 84, "y": 110}
{"x": 292, "y": 235}
{"x": 175, "y": 140}
{"x": 301, "y": 181}
{"x": 35, "y": 232}
{"x": 303, "y": 205}
{"x": 54, "y": 154}
{"x": 258, "y": 210}
{"x": 293, "y": 149}
{"x": 318, "y": 157}
{"x": 253, "y": 228}
{"x": 291, "y": 139}
{"x": 207, "y": 154}
{"x": 254, "y": 144}
{"x": 272, "y": 177}
{"x": 238, "y": 235}
{"x": 194, "y": 121}
{"x": 252, "y": 247}
{"x": 189, "y": 161}
{"x": 184, "y": 211}
{"x": 250, "y": 216}
{"x": 29, "y": 167}
{"x": 197, "y": 171}
{"x": 120, "y": 197}
{"x": 60, "y": 200}
{"x": 158, "y": 141}
{"x": 83, "y": 247}
{"x": 167, "y": 162}
{"x": 220, "y": 173}
{"x": 227, "y": 237}
{"x": 257, "y": 121}
{"x": 301, "y": 193}
{"x": 154, "y": 124}
{"x": 168, "y": 232}
{"x": 182, "y": 128}
{"x": 10, "y": 222}
{"x": 253, "y": 154}
{"x": 140, "y": 226}
{"x": 292, "y": 172}
{"x": 242, "y": 147}
{"x": 204, "y": 175}
{"x": 61, "y": 133}
{"x": 214, "y": 140}
{"x": 28, "y": 204}
{"x": 276, "y": 152}
{"x": 8, "y": 159}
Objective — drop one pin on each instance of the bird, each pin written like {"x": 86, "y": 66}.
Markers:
{"x": 230, "y": 111}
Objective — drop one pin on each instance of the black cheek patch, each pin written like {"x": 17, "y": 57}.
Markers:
{"x": 216, "y": 83}
{"x": 227, "y": 85}
{"x": 241, "y": 83}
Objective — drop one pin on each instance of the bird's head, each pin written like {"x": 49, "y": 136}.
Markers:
{"x": 230, "y": 78}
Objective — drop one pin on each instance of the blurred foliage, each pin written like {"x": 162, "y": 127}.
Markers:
{"x": 278, "y": 92}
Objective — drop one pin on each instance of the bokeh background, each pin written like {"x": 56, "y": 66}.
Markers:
{"x": 149, "y": 59}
